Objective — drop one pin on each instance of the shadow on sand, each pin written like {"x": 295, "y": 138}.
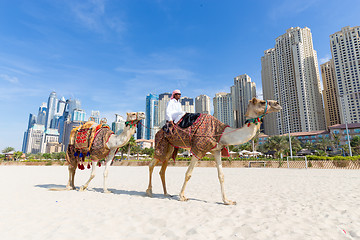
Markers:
{"x": 57, "y": 187}
{"x": 52, "y": 187}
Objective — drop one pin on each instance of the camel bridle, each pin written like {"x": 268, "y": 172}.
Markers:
{"x": 257, "y": 119}
{"x": 132, "y": 123}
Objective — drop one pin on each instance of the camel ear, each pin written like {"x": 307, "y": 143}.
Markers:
{"x": 253, "y": 101}
{"x": 127, "y": 114}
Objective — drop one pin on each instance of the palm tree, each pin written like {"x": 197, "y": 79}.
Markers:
{"x": 355, "y": 144}
{"x": 277, "y": 144}
{"x": 246, "y": 146}
{"x": 8, "y": 149}
{"x": 324, "y": 144}
{"x": 336, "y": 139}
{"x": 136, "y": 150}
{"x": 17, "y": 155}
{"x": 295, "y": 145}
{"x": 127, "y": 147}
{"x": 308, "y": 145}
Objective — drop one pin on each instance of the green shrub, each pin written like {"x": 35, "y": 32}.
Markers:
{"x": 48, "y": 163}
{"x": 309, "y": 164}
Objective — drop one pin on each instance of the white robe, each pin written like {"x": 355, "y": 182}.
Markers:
{"x": 174, "y": 111}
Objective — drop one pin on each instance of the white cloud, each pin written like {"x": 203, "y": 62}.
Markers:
{"x": 325, "y": 59}
{"x": 92, "y": 14}
{"x": 9, "y": 78}
{"x": 259, "y": 94}
{"x": 290, "y": 8}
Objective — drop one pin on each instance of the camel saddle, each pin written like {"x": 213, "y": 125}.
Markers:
{"x": 202, "y": 136}
{"x": 83, "y": 137}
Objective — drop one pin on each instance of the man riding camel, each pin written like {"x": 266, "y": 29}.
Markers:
{"x": 175, "y": 115}
{"x": 173, "y": 110}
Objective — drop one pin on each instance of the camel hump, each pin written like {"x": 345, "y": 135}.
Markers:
{"x": 89, "y": 124}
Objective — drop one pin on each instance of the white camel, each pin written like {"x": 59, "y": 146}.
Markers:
{"x": 255, "y": 111}
{"x": 114, "y": 142}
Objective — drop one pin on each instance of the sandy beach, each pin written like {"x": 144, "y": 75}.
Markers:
{"x": 271, "y": 204}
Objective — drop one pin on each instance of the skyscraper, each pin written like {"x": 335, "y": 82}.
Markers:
{"x": 31, "y": 123}
{"x": 33, "y": 139}
{"x": 223, "y": 108}
{"x": 51, "y": 109}
{"x": 95, "y": 115}
{"x": 202, "y": 104}
{"x": 79, "y": 115}
{"x": 242, "y": 92}
{"x": 330, "y": 95}
{"x": 291, "y": 68}
{"x": 140, "y": 130}
{"x": 187, "y": 104}
{"x": 346, "y": 56}
{"x": 164, "y": 98}
{"x": 272, "y": 121}
{"x": 151, "y": 112}
{"x": 41, "y": 114}
{"x": 118, "y": 125}
{"x": 49, "y": 127}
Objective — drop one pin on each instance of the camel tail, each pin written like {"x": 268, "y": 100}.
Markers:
{"x": 174, "y": 154}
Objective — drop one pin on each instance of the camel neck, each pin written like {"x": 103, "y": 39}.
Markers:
{"x": 240, "y": 135}
{"x": 123, "y": 138}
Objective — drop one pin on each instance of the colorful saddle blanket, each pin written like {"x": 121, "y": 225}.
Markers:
{"x": 85, "y": 136}
{"x": 200, "y": 137}
{"x": 99, "y": 149}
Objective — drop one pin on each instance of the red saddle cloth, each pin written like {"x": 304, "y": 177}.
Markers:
{"x": 200, "y": 137}
{"x": 82, "y": 140}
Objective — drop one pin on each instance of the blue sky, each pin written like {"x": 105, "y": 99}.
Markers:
{"x": 110, "y": 54}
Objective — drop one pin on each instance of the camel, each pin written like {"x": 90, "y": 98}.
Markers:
{"x": 114, "y": 142}
{"x": 256, "y": 110}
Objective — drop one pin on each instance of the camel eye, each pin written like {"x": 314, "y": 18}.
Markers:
{"x": 262, "y": 103}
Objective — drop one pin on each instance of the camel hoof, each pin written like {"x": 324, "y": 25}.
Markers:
{"x": 149, "y": 192}
{"x": 107, "y": 191}
{"x": 183, "y": 199}
{"x": 68, "y": 188}
{"x": 229, "y": 202}
{"x": 168, "y": 195}
{"x": 82, "y": 189}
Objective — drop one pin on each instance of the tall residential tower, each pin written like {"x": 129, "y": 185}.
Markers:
{"x": 345, "y": 52}
{"x": 242, "y": 92}
{"x": 202, "y": 104}
{"x": 330, "y": 95}
{"x": 290, "y": 72}
{"x": 223, "y": 108}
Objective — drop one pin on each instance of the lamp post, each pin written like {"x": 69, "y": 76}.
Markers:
{"x": 345, "y": 117}
{"x": 287, "y": 113}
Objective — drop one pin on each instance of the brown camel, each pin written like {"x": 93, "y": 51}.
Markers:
{"x": 229, "y": 136}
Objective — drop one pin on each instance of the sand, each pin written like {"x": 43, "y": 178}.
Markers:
{"x": 271, "y": 204}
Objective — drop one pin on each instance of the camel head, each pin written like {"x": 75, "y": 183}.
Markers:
{"x": 140, "y": 116}
{"x": 131, "y": 116}
{"x": 259, "y": 107}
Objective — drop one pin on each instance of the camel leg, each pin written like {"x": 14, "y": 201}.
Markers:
{"x": 187, "y": 177}
{"x": 70, "y": 185}
{"x": 92, "y": 175}
{"x": 108, "y": 162}
{"x": 217, "y": 155}
{"x": 151, "y": 169}
{"x": 162, "y": 176}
